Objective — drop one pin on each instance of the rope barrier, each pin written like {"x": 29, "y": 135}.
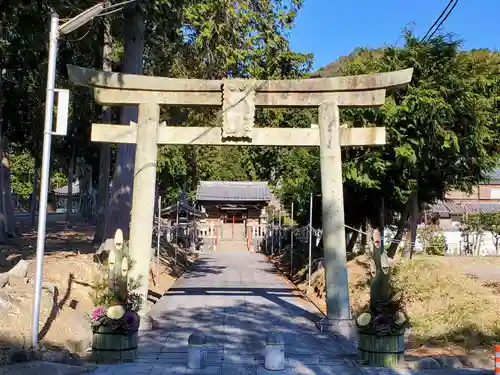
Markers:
{"x": 318, "y": 233}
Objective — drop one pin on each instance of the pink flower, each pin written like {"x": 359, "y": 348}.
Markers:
{"x": 98, "y": 313}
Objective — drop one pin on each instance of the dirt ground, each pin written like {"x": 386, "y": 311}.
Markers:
{"x": 453, "y": 302}
{"x": 68, "y": 274}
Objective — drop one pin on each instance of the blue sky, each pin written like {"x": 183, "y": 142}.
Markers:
{"x": 333, "y": 28}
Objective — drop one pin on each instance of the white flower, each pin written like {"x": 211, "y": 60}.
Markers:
{"x": 399, "y": 318}
{"x": 116, "y": 312}
{"x": 364, "y": 319}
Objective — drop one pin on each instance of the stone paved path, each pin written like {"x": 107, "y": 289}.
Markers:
{"x": 235, "y": 299}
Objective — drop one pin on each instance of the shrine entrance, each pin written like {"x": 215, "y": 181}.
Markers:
{"x": 233, "y": 223}
{"x": 238, "y": 99}
{"x": 233, "y": 215}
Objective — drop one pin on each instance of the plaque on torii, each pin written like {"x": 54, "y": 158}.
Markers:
{"x": 238, "y": 99}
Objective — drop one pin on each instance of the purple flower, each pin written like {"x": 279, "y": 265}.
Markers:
{"x": 131, "y": 319}
{"x": 98, "y": 313}
{"x": 381, "y": 320}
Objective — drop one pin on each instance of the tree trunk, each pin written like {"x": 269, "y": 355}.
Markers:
{"x": 393, "y": 247}
{"x": 121, "y": 195}
{"x": 352, "y": 241}
{"x": 35, "y": 193}
{"x": 8, "y": 221}
{"x": 105, "y": 148}
{"x": 69, "y": 194}
{"x": 3, "y": 203}
{"x": 364, "y": 229}
{"x": 9, "y": 208}
{"x": 477, "y": 249}
{"x": 412, "y": 233}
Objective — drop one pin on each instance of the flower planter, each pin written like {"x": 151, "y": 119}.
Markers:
{"x": 381, "y": 350}
{"x": 114, "y": 346}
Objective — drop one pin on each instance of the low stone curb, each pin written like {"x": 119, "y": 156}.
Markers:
{"x": 19, "y": 356}
{"x": 40, "y": 367}
{"x": 456, "y": 371}
{"x": 440, "y": 371}
{"x": 465, "y": 363}
{"x": 443, "y": 365}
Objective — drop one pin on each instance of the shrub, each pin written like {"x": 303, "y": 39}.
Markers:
{"x": 433, "y": 240}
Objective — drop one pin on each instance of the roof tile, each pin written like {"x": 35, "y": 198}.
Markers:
{"x": 493, "y": 177}
{"x": 233, "y": 191}
{"x": 482, "y": 207}
{"x": 469, "y": 207}
{"x": 447, "y": 207}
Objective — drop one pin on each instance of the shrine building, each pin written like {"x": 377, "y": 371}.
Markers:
{"x": 233, "y": 202}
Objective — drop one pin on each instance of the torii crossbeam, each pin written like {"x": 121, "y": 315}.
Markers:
{"x": 238, "y": 99}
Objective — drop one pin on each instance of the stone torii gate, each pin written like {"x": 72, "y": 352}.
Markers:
{"x": 238, "y": 99}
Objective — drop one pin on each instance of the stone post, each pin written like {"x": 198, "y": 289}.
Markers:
{"x": 274, "y": 357}
{"x": 143, "y": 199}
{"x": 197, "y": 351}
{"x": 334, "y": 247}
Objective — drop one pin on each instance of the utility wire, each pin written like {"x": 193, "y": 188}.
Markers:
{"x": 440, "y": 20}
{"x": 437, "y": 20}
{"x": 115, "y": 8}
{"x": 443, "y": 20}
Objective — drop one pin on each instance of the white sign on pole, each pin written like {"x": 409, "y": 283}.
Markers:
{"x": 62, "y": 112}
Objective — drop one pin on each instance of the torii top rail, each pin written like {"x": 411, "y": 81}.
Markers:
{"x": 238, "y": 99}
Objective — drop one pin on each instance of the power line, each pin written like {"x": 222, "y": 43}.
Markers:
{"x": 440, "y": 20}
{"x": 444, "y": 19}
{"x": 437, "y": 20}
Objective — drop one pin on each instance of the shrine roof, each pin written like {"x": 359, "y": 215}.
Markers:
{"x": 182, "y": 207}
{"x": 233, "y": 191}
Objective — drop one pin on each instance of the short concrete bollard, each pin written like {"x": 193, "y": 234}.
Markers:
{"x": 275, "y": 352}
{"x": 196, "y": 350}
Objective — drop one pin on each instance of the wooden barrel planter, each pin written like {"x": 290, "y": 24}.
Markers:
{"x": 114, "y": 346}
{"x": 381, "y": 351}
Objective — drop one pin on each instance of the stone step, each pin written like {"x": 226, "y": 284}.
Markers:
{"x": 233, "y": 245}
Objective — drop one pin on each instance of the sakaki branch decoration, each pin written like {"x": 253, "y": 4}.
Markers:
{"x": 115, "y": 319}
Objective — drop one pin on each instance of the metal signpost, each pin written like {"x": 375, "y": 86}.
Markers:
{"x": 61, "y": 129}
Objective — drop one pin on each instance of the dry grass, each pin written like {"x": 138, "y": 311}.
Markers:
{"x": 446, "y": 305}
{"x": 453, "y": 302}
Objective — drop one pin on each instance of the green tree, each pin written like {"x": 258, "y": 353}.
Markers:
{"x": 24, "y": 33}
{"x": 248, "y": 40}
{"x": 22, "y": 165}
{"x": 476, "y": 224}
{"x": 442, "y": 131}
{"x": 491, "y": 223}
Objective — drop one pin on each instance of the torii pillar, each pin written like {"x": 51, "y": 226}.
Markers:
{"x": 238, "y": 99}
{"x": 339, "y": 319}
